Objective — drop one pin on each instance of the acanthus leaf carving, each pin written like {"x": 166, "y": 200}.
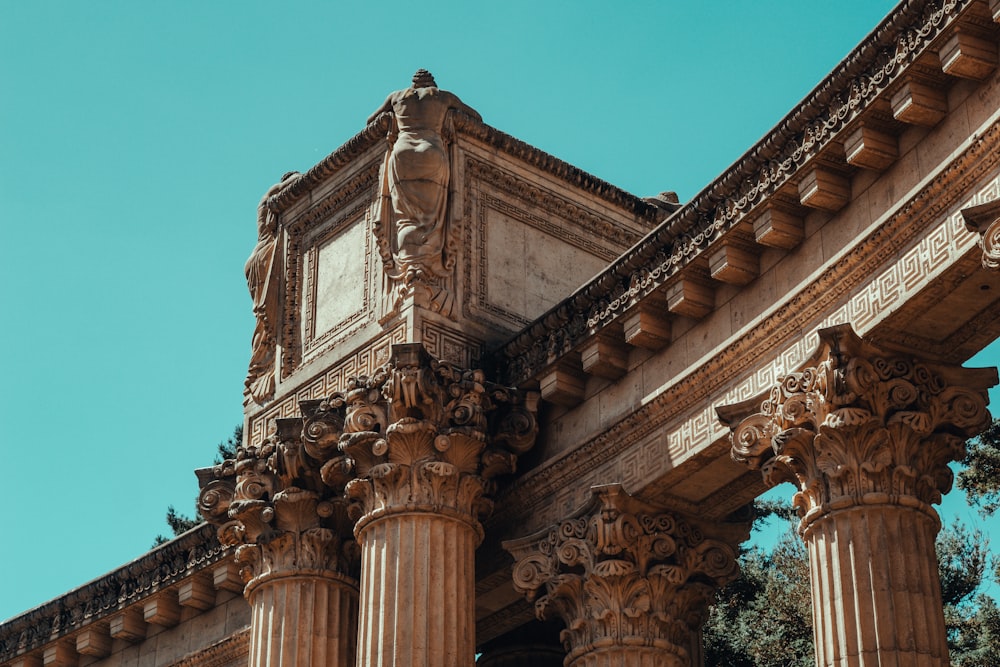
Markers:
{"x": 620, "y": 573}
{"x": 860, "y": 426}
{"x": 422, "y": 434}
{"x": 417, "y": 434}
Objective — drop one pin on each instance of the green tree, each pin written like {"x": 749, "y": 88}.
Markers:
{"x": 764, "y": 618}
{"x": 180, "y": 523}
{"x": 980, "y": 475}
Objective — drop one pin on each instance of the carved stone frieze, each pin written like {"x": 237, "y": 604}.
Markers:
{"x": 874, "y": 71}
{"x": 162, "y": 567}
{"x": 861, "y": 426}
{"x": 735, "y": 370}
{"x": 345, "y": 203}
{"x": 229, "y": 652}
{"x": 625, "y": 577}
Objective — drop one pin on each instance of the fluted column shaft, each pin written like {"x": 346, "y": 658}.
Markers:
{"x": 417, "y": 592}
{"x": 875, "y": 588}
{"x": 866, "y": 435}
{"x": 303, "y": 621}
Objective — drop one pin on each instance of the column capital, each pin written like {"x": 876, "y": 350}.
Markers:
{"x": 984, "y": 219}
{"x": 626, "y": 576}
{"x": 861, "y": 425}
{"x": 270, "y": 502}
{"x": 420, "y": 435}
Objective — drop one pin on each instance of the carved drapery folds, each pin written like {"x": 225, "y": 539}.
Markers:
{"x": 263, "y": 272}
{"x": 632, "y": 582}
{"x": 985, "y": 219}
{"x": 416, "y": 247}
{"x": 861, "y": 426}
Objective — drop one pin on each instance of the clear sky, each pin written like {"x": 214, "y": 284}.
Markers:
{"x": 136, "y": 139}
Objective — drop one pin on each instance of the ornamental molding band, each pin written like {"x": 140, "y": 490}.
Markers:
{"x": 859, "y": 425}
{"x": 418, "y": 251}
{"x": 763, "y": 177}
{"x": 632, "y": 582}
{"x": 922, "y": 230}
{"x": 985, "y": 220}
{"x": 126, "y": 588}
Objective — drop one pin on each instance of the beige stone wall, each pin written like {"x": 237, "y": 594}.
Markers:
{"x": 223, "y": 627}
{"x": 873, "y": 264}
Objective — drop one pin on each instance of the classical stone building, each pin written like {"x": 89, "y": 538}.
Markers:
{"x": 496, "y": 405}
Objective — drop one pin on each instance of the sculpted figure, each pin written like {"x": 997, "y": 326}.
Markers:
{"x": 415, "y": 176}
{"x": 262, "y": 269}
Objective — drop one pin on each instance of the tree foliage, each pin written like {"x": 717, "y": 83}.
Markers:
{"x": 764, "y": 618}
{"x": 180, "y": 523}
{"x": 980, "y": 476}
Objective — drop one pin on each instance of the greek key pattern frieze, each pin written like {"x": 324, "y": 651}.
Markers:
{"x": 927, "y": 234}
{"x": 363, "y": 362}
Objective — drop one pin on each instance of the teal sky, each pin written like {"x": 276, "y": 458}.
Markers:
{"x": 136, "y": 139}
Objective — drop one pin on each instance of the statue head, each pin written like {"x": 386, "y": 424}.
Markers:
{"x": 423, "y": 79}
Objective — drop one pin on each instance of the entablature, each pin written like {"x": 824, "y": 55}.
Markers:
{"x": 162, "y": 589}
{"x": 898, "y": 78}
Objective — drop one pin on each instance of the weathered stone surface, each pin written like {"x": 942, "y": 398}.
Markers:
{"x": 866, "y": 436}
{"x": 985, "y": 219}
{"x": 631, "y": 582}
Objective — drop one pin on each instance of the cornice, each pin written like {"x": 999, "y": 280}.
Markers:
{"x": 738, "y": 358}
{"x": 155, "y": 570}
{"x": 553, "y": 166}
{"x": 233, "y": 650}
{"x": 492, "y": 137}
{"x": 773, "y": 163}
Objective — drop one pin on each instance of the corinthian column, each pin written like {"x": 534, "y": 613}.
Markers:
{"x": 420, "y": 441}
{"x": 632, "y": 582}
{"x": 866, "y": 436}
{"x": 294, "y": 548}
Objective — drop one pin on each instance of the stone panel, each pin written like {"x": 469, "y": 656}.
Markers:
{"x": 337, "y": 296}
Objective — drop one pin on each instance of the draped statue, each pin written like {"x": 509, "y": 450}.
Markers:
{"x": 263, "y": 280}
{"x": 414, "y": 180}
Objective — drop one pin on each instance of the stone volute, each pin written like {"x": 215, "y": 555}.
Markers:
{"x": 985, "y": 220}
{"x": 632, "y": 582}
{"x": 405, "y": 459}
{"x": 294, "y": 548}
{"x": 866, "y": 435}
{"x": 415, "y": 448}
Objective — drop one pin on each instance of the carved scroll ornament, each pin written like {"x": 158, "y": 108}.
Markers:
{"x": 861, "y": 426}
{"x": 420, "y": 435}
{"x": 272, "y": 505}
{"x": 624, "y": 575}
{"x": 985, "y": 220}
{"x": 417, "y": 435}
